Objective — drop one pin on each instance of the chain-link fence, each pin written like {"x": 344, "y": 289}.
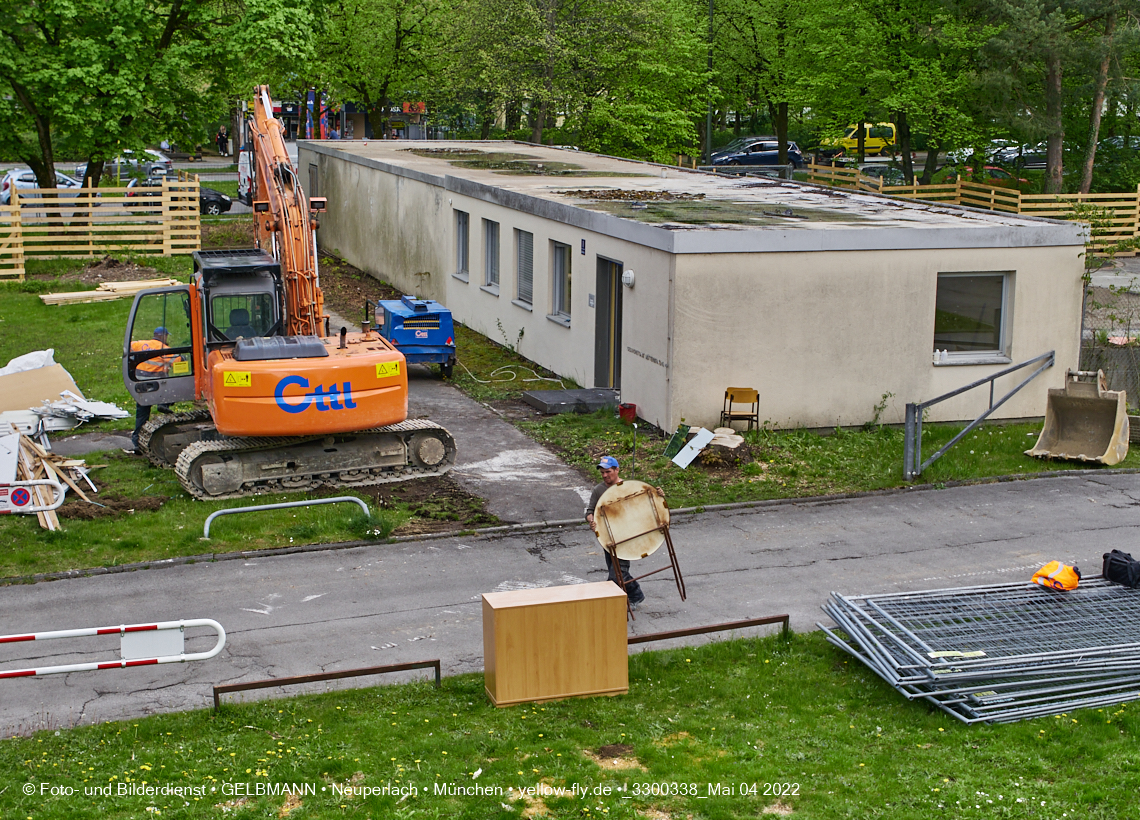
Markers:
{"x": 1111, "y": 338}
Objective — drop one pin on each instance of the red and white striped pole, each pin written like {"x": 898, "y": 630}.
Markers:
{"x": 130, "y": 636}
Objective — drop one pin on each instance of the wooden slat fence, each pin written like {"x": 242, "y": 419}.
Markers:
{"x": 1114, "y": 217}
{"x": 70, "y": 223}
{"x": 11, "y": 248}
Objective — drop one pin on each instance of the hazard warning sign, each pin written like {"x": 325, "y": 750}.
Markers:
{"x": 238, "y": 378}
{"x": 386, "y": 369}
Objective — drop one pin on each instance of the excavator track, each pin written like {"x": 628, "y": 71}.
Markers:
{"x": 238, "y": 467}
{"x": 170, "y": 433}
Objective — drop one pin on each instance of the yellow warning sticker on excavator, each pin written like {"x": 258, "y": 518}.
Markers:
{"x": 238, "y": 378}
{"x": 386, "y": 369}
{"x": 180, "y": 368}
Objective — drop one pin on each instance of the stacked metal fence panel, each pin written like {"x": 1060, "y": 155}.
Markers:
{"x": 998, "y": 653}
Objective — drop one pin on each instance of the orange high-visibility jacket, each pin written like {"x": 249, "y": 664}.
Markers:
{"x": 158, "y": 364}
{"x": 1056, "y": 575}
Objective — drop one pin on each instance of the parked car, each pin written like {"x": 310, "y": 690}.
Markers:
{"x": 889, "y": 174}
{"x": 962, "y": 156}
{"x": 1120, "y": 143}
{"x": 991, "y": 175}
{"x": 761, "y": 151}
{"x": 1031, "y": 157}
{"x": 879, "y": 138}
{"x": 150, "y": 163}
{"x": 25, "y": 179}
{"x": 209, "y": 201}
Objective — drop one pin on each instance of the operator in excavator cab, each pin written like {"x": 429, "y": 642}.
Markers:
{"x": 154, "y": 368}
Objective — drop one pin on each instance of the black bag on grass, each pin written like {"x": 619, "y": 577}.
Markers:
{"x": 1121, "y": 568}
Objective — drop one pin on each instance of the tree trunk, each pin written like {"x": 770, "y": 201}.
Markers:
{"x": 487, "y": 107}
{"x": 513, "y": 116}
{"x": 42, "y": 165}
{"x": 861, "y": 138}
{"x": 1098, "y": 103}
{"x": 94, "y": 172}
{"x": 537, "y": 124}
{"x": 903, "y": 127}
{"x": 931, "y": 165}
{"x": 778, "y": 112}
{"x": 1054, "y": 97}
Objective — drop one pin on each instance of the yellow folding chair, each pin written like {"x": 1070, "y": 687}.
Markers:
{"x": 741, "y": 404}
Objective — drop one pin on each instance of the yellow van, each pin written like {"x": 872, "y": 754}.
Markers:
{"x": 880, "y": 137}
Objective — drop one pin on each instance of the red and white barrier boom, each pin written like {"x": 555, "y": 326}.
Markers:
{"x": 140, "y": 645}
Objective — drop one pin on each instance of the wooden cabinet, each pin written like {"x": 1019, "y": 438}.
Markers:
{"x": 556, "y": 642}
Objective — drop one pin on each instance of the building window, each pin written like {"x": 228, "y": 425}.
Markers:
{"x": 462, "y": 242}
{"x": 560, "y": 270}
{"x": 524, "y": 246}
{"x": 970, "y": 314}
{"x": 491, "y": 254}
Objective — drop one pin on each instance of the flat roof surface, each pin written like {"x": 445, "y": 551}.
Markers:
{"x": 682, "y": 201}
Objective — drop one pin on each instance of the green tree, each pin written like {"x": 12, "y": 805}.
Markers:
{"x": 375, "y": 52}
{"x": 615, "y": 74}
{"x": 93, "y": 77}
{"x": 1029, "y": 59}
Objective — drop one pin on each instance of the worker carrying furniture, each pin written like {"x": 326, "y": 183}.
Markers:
{"x": 154, "y": 368}
{"x": 610, "y": 477}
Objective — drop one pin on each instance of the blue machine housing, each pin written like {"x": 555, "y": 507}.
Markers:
{"x": 421, "y": 329}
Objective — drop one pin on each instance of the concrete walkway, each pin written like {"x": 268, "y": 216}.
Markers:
{"x": 521, "y": 480}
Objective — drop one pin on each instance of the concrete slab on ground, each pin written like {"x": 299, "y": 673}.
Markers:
{"x": 521, "y": 480}
{"x": 80, "y": 444}
{"x": 571, "y": 401}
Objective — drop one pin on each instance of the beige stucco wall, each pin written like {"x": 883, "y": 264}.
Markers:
{"x": 403, "y": 230}
{"x": 389, "y": 226}
{"x": 568, "y": 351}
{"x": 823, "y": 335}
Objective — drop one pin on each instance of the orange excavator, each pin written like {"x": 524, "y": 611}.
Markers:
{"x": 290, "y": 407}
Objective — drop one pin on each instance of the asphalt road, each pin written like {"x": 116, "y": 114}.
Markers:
{"x": 393, "y": 603}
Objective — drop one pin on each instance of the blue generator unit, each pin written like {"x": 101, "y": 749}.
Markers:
{"x": 421, "y": 329}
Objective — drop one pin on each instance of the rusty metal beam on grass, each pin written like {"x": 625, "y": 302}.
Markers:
{"x": 702, "y": 630}
{"x": 325, "y": 676}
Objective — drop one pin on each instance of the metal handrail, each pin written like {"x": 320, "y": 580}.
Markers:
{"x": 913, "y": 465}
{"x": 285, "y": 505}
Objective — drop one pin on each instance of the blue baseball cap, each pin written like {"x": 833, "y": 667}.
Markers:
{"x": 608, "y": 463}
{"x": 160, "y": 331}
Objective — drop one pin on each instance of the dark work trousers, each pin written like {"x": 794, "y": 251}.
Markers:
{"x": 142, "y": 416}
{"x": 632, "y": 588}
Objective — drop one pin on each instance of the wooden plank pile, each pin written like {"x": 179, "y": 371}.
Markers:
{"x": 106, "y": 292}
{"x": 34, "y": 462}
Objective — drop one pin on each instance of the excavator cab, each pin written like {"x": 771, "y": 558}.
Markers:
{"x": 240, "y": 292}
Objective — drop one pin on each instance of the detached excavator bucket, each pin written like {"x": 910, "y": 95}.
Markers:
{"x": 1084, "y": 421}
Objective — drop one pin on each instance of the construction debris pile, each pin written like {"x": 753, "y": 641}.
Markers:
{"x": 73, "y": 410}
{"x": 22, "y": 460}
{"x": 998, "y": 653}
{"x": 38, "y": 396}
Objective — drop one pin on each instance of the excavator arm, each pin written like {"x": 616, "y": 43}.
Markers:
{"x": 284, "y": 220}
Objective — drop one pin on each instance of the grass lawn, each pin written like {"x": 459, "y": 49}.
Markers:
{"x": 742, "y": 728}
{"x": 796, "y": 463}
{"x": 158, "y": 520}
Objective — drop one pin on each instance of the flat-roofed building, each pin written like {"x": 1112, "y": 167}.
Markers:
{"x": 672, "y": 285}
